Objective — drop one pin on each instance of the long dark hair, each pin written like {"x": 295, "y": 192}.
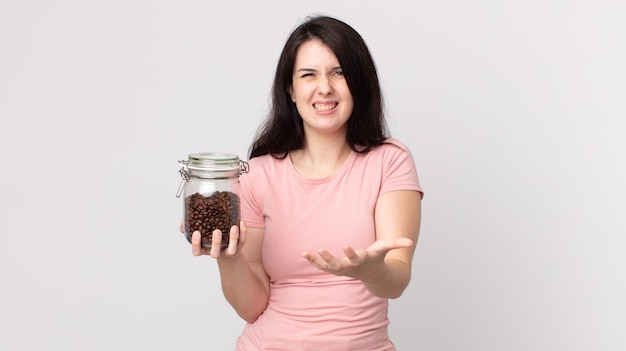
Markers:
{"x": 283, "y": 130}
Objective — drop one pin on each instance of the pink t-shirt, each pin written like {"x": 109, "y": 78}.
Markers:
{"x": 309, "y": 309}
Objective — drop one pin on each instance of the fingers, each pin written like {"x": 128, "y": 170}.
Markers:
{"x": 233, "y": 240}
{"x": 397, "y": 243}
{"x": 196, "y": 243}
{"x": 243, "y": 232}
{"x": 323, "y": 260}
{"x": 309, "y": 257}
{"x": 237, "y": 236}
{"x": 352, "y": 255}
{"x": 349, "y": 251}
{"x": 402, "y": 242}
{"x": 181, "y": 228}
{"x": 325, "y": 255}
{"x": 216, "y": 244}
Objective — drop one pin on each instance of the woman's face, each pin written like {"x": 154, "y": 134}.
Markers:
{"x": 320, "y": 91}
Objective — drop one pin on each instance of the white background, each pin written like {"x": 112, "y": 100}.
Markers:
{"x": 514, "y": 111}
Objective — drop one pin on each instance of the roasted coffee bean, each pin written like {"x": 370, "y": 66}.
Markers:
{"x": 220, "y": 211}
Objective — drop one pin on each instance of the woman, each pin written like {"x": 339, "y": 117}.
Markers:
{"x": 331, "y": 205}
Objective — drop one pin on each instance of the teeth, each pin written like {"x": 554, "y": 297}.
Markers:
{"x": 324, "y": 107}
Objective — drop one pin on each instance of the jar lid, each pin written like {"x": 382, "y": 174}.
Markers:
{"x": 214, "y": 161}
{"x": 210, "y": 165}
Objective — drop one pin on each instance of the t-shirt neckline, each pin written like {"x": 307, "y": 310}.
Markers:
{"x": 346, "y": 163}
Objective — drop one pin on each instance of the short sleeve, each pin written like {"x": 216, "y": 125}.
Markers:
{"x": 251, "y": 197}
{"x": 399, "y": 172}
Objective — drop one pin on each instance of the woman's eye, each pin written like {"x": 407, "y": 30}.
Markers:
{"x": 307, "y": 75}
{"x": 339, "y": 73}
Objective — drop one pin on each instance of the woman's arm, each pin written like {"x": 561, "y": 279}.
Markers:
{"x": 385, "y": 266}
{"x": 245, "y": 283}
{"x": 397, "y": 218}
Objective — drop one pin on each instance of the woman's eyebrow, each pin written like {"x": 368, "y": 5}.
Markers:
{"x": 314, "y": 70}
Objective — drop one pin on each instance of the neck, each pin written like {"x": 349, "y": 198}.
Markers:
{"x": 320, "y": 156}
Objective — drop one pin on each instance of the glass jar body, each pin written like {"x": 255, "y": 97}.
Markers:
{"x": 211, "y": 198}
{"x": 211, "y": 204}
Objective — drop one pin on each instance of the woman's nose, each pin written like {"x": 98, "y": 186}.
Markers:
{"x": 324, "y": 86}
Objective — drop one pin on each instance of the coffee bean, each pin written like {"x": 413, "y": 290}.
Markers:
{"x": 220, "y": 211}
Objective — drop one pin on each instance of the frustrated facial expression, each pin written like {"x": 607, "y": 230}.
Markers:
{"x": 320, "y": 91}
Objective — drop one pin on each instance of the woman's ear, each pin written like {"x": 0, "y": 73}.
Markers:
{"x": 290, "y": 91}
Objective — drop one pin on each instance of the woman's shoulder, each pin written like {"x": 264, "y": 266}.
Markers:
{"x": 265, "y": 164}
{"x": 390, "y": 146}
{"x": 393, "y": 142}
{"x": 265, "y": 160}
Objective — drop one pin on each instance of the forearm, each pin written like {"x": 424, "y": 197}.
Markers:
{"x": 397, "y": 217}
{"x": 390, "y": 280}
{"x": 243, "y": 289}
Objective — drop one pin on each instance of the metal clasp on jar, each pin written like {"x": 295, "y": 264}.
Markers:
{"x": 243, "y": 166}
{"x": 184, "y": 173}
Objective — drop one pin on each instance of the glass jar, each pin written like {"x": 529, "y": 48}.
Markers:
{"x": 211, "y": 194}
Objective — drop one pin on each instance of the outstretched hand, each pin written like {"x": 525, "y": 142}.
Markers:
{"x": 358, "y": 264}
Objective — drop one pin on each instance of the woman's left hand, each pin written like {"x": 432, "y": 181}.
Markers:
{"x": 358, "y": 264}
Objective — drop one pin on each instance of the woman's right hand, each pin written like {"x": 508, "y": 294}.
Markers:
{"x": 236, "y": 240}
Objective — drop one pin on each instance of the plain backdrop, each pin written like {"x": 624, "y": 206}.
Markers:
{"x": 514, "y": 111}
